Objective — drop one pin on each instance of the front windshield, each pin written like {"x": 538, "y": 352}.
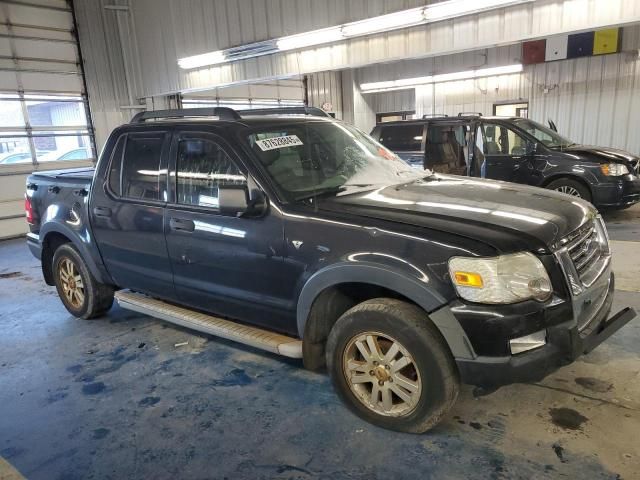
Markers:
{"x": 315, "y": 158}
{"x": 543, "y": 134}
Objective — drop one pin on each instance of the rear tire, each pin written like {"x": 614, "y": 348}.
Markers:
{"x": 391, "y": 366}
{"x": 571, "y": 187}
{"x": 82, "y": 295}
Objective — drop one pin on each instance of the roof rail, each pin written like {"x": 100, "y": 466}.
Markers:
{"x": 470, "y": 114}
{"x": 223, "y": 113}
{"x": 432, "y": 115}
{"x": 313, "y": 111}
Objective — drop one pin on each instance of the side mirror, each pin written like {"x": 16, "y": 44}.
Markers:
{"x": 240, "y": 201}
{"x": 532, "y": 148}
{"x": 233, "y": 200}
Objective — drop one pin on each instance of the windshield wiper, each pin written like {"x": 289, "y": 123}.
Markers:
{"x": 332, "y": 191}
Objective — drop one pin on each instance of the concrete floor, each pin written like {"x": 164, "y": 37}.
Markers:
{"x": 114, "y": 398}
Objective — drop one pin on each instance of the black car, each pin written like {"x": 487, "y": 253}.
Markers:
{"x": 303, "y": 236}
{"x": 516, "y": 150}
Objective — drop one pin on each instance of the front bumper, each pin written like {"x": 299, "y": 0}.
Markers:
{"x": 565, "y": 343}
{"x": 619, "y": 194}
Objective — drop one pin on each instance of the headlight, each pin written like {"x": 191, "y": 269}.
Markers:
{"x": 504, "y": 279}
{"x": 614, "y": 169}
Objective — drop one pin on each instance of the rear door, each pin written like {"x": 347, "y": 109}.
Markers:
{"x": 127, "y": 213}
{"x": 504, "y": 151}
{"x": 405, "y": 139}
{"x": 227, "y": 265}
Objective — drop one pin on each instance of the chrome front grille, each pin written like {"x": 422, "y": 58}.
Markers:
{"x": 584, "y": 254}
{"x": 585, "y": 250}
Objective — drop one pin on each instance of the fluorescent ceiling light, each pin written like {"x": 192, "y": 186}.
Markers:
{"x": 316, "y": 37}
{"x": 196, "y": 61}
{"x": 392, "y": 21}
{"x": 405, "y": 83}
{"x": 458, "y": 8}
{"x": 382, "y": 23}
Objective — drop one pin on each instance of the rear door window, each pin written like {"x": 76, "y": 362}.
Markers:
{"x": 141, "y": 166}
{"x": 401, "y": 138}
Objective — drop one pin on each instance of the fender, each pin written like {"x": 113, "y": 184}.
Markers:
{"x": 80, "y": 239}
{"x": 420, "y": 292}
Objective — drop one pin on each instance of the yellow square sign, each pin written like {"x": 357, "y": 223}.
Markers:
{"x": 606, "y": 41}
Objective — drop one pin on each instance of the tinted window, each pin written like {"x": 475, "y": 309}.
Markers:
{"x": 401, "y": 137}
{"x": 116, "y": 167}
{"x": 203, "y": 166}
{"x": 141, "y": 166}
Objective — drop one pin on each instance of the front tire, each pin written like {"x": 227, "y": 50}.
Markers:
{"x": 82, "y": 295}
{"x": 391, "y": 366}
{"x": 570, "y": 187}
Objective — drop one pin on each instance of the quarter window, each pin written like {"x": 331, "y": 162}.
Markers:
{"x": 202, "y": 167}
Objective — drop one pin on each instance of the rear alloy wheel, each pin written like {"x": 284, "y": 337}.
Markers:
{"x": 82, "y": 295}
{"x": 71, "y": 282}
{"x": 570, "y": 187}
{"x": 391, "y": 366}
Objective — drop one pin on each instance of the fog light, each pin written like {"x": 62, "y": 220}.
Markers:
{"x": 528, "y": 342}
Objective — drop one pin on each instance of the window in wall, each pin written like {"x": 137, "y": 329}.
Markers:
{"x": 394, "y": 116}
{"x": 141, "y": 166}
{"x": 42, "y": 128}
{"x": 402, "y": 138}
{"x": 202, "y": 167}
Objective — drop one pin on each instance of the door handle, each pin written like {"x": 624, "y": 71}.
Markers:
{"x": 182, "y": 225}
{"x": 102, "y": 211}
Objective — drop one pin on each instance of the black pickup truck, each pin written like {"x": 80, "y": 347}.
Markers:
{"x": 300, "y": 235}
{"x": 517, "y": 150}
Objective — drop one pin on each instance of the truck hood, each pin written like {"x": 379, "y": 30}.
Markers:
{"x": 507, "y": 216}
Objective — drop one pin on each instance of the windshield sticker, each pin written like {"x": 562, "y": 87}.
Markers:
{"x": 278, "y": 142}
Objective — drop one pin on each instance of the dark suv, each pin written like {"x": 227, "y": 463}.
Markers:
{"x": 303, "y": 236}
{"x": 516, "y": 150}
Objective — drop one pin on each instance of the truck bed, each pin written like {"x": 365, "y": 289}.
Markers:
{"x": 82, "y": 174}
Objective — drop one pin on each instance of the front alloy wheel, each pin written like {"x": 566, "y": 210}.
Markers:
{"x": 391, "y": 366}
{"x": 382, "y": 374}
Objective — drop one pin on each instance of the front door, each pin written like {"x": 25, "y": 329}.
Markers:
{"x": 226, "y": 265}
{"x": 504, "y": 153}
{"x": 127, "y": 213}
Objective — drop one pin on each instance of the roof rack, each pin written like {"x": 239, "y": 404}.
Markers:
{"x": 432, "y": 115}
{"x": 223, "y": 113}
{"x": 470, "y": 114}
{"x": 313, "y": 111}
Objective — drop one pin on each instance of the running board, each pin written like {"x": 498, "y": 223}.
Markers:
{"x": 256, "y": 337}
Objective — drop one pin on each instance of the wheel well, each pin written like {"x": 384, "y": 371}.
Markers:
{"x": 49, "y": 246}
{"x": 327, "y": 307}
{"x": 568, "y": 177}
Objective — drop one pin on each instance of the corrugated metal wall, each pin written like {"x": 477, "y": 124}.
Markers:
{"x": 169, "y": 30}
{"x": 593, "y": 100}
{"x": 104, "y": 66}
{"x": 325, "y": 87}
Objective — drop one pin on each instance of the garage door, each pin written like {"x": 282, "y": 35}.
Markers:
{"x": 44, "y": 119}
